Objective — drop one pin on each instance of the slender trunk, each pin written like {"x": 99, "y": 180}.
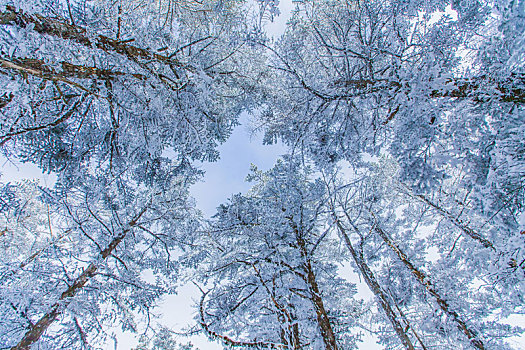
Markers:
{"x": 295, "y": 337}
{"x": 290, "y": 335}
{"x": 408, "y": 325}
{"x": 36, "y": 330}
{"x": 290, "y": 330}
{"x": 322, "y": 316}
{"x": 513, "y": 263}
{"x": 39, "y": 68}
{"x": 425, "y": 282}
{"x": 510, "y": 89}
{"x": 458, "y": 223}
{"x": 376, "y": 289}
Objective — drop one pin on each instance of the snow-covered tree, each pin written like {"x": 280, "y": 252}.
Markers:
{"x": 76, "y": 267}
{"x": 108, "y": 84}
{"x": 270, "y": 263}
{"x": 422, "y": 101}
{"x": 443, "y": 288}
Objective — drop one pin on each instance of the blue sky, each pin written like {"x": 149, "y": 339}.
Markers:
{"x": 226, "y": 176}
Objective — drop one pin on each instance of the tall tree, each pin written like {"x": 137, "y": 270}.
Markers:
{"x": 272, "y": 267}
{"x": 371, "y": 281}
{"x": 417, "y": 270}
{"x": 76, "y": 267}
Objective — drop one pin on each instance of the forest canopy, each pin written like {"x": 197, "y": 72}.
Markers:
{"x": 404, "y": 172}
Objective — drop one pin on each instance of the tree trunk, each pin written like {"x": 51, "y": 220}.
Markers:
{"x": 407, "y": 324}
{"x": 37, "y": 329}
{"x": 425, "y": 282}
{"x": 509, "y": 89}
{"x": 290, "y": 335}
{"x": 40, "y": 69}
{"x": 60, "y": 29}
{"x": 371, "y": 281}
{"x": 322, "y": 316}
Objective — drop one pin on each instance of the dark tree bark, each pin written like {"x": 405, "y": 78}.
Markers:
{"x": 510, "y": 89}
{"x": 64, "y": 30}
{"x": 408, "y": 325}
{"x": 322, "y": 316}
